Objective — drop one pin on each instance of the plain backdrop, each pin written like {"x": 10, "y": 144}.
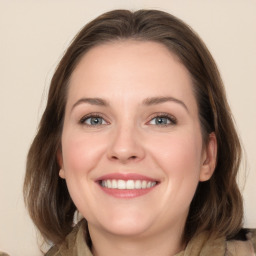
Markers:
{"x": 33, "y": 37}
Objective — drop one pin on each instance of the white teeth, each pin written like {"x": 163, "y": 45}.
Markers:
{"x": 121, "y": 184}
{"x": 138, "y": 184}
{"x": 130, "y": 184}
{"x": 114, "y": 184}
{"x": 144, "y": 184}
{"x": 127, "y": 184}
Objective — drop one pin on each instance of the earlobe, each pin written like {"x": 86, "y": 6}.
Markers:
{"x": 60, "y": 162}
{"x": 209, "y": 158}
{"x": 62, "y": 173}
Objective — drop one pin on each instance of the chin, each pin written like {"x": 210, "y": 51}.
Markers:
{"x": 126, "y": 229}
{"x": 129, "y": 225}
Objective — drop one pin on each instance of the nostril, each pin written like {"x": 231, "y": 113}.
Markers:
{"x": 124, "y": 158}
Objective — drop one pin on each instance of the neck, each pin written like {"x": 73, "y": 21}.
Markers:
{"x": 164, "y": 244}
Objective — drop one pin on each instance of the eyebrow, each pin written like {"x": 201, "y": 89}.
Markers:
{"x": 91, "y": 101}
{"x": 160, "y": 100}
{"x": 148, "y": 101}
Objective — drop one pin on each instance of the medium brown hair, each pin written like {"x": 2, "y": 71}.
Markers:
{"x": 217, "y": 203}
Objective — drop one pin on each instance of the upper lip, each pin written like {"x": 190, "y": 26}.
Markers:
{"x": 124, "y": 176}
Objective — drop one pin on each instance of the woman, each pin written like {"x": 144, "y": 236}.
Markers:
{"x": 137, "y": 136}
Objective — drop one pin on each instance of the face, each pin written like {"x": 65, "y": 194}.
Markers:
{"x": 132, "y": 150}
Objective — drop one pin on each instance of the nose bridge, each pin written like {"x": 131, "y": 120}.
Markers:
{"x": 125, "y": 143}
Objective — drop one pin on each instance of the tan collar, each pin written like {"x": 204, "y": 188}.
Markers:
{"x": 200, "y": 245}
{"x": 204, "y": 246}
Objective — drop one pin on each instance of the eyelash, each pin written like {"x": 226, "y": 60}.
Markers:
{"x": 171, "y": 119}
{"x": 91, "y": 115}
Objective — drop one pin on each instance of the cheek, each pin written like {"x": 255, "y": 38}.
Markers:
{"x": 80, "y": 153}
{"x": 179, "y": 156}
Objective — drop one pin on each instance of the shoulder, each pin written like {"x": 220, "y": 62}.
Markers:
{"x": 243, "y": 244}
{"x": 73, "y": 245}
{"x": 65, "y": 248}
{"x": 3, "y": 254}
{"x": 53, "y": 251}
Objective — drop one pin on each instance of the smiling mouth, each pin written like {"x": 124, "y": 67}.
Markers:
{"x": 127, "y": 184}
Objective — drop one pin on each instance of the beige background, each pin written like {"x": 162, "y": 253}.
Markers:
{"x": 33, "y": 36}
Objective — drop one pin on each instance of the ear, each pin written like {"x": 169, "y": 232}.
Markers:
{"x": 209, "y": 158}
{"x": 60, "y": 162}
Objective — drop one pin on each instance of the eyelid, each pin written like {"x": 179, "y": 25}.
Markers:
{"x": 172, "y": 118}
{"x": 91, "y": 115}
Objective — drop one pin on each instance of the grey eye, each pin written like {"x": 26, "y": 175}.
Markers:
{"x": 160, "y": 120}
{"x": 94, "y": 120}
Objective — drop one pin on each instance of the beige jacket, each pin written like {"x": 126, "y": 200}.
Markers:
{"x": 201, "y": 245}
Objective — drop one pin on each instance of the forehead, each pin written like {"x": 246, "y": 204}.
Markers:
{"x": 128, "y": 66}
{"x": 129, "y": 54}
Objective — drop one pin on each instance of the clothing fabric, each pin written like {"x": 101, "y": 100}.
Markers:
{"x": 3, "y": 254}
{"x": 201, "y": 245}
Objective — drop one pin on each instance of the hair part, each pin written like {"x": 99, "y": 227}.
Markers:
{"x": 217, "y": 204}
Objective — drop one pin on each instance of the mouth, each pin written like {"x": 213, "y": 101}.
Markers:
{"x": 126, "y": 185}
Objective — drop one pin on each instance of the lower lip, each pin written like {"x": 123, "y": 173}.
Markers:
{"x": 126, "y": 193}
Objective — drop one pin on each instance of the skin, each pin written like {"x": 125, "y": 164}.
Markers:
{"x": 126, "y": 74}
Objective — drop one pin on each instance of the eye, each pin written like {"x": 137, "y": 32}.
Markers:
{"x": 93, "y": 120}
{"x": 163, "y": 120}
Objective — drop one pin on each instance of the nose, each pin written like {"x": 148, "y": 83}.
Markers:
{"x": 126, "y": 145}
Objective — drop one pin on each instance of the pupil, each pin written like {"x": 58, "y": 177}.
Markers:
{"x": 161, "y": 120}
{"x": 95, "y": 120}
